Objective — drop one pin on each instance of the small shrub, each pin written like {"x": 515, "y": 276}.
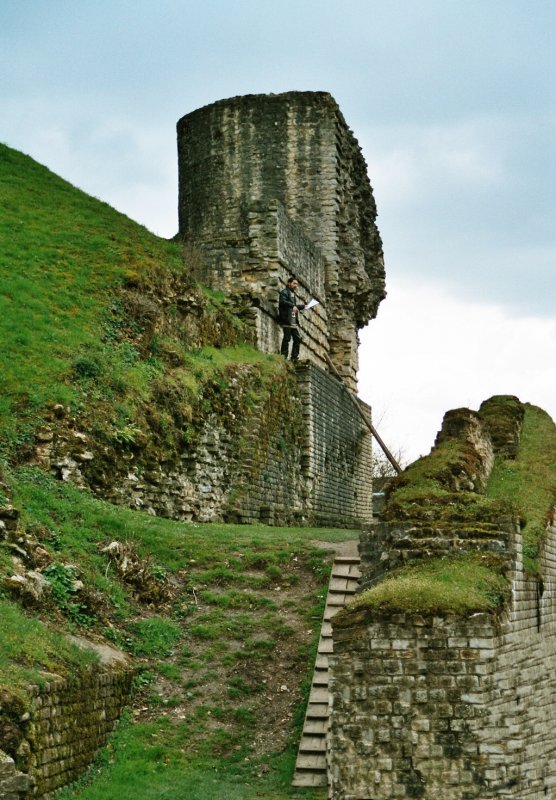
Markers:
{"x": 65, "y": 589}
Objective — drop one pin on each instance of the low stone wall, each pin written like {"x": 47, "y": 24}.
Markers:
{"x": 68, "y": 720}
{"x": 409, "y": 697}
{"x": 450, "y": 707}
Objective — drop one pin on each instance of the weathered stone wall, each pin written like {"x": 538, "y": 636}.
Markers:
{"x": 302, "y": 455}
{"x": 450, "y": 707}
{"x": 279, "y": 248}
{"x": 14, "y": 785}
{"x": 327, "y": 478}
{"x": 337, "y": 466}
{"x": 65, "y": 724}
{"x": 390, "y": 545}
{"x": 271, "y": 184}
{"x": 457, "y": 706}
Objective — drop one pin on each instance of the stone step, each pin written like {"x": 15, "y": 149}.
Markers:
{"x": 317, "y": 710}
{"x": 338, "y": 600}
{"x": 318, "y": 695}
{"x": 320, "y": 678}
{"x": 309, "y": 779}
{"x": 347, "y": 560}
{"x": 338, "y": 584}
{"x": 312, "y": 744}
{"x": 315, "y": 726}
{"x": 321, "y": 662}
{"x": 310, "y": 768}
{"x": 312, "y": 761}
{"x": 335, "y": 594}
{"x": 346, "y": 571}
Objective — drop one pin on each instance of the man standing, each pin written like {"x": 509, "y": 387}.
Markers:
{"x": 288, "y": 308}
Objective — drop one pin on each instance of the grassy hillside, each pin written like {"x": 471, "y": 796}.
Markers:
{"x": 63, "y": 255}
{"x": 104, "y": 330}
{"x": 98, "y": 315}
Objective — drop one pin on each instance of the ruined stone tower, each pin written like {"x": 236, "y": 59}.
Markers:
{"x": 271, "y": 185}
{"x": 274, "y": 184}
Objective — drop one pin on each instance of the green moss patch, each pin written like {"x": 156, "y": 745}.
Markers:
{"x": 526, "y": 485}
{"x": 426, "y": 490}
{"x": 522, "y": 485}
{"x": 503, "y": 417}
{"x": 461, "y": 585}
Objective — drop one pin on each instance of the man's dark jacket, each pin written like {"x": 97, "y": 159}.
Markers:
{"x": 286, "y": 303}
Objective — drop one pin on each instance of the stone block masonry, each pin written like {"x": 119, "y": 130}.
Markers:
{"x": 14, "y": 785}
{"x": 431, "y": 706}
{"x": 67, "y": 721}
{"x": 337, "y": 457}
{"x": 269, "y": 185}
{"x": 274, "y": 185}
{"x": 302, "y": 456}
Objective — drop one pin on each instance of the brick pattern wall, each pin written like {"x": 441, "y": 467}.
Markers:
{"x": 449, "y": 707}
{"x": 69, "y": 721}
{"x": 337, "y": 460}
{"x": 279, "y": 248}
{"x": 390, "y": 545}
{"x": 326, "y": 479}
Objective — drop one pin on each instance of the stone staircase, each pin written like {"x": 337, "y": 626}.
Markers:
{"x": 310, "y": 768}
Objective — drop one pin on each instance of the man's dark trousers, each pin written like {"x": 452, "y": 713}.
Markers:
{"x": 290, "y": 333}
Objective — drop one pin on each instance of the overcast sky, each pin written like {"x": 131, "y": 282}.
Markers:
{"x": 452, "y": 101}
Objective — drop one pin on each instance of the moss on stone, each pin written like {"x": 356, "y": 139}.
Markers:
{"x": 522, "y": 487}
{"x": 437, "y": 487}
{"x": 461, "y": 585}
{"x": 503, "y": 417}
{"x": 526, "y": 484}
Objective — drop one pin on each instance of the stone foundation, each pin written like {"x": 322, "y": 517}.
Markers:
{"x": 445, "y": 705}
{"x": 302, "y": 456}
{"x": 337, "y": 458}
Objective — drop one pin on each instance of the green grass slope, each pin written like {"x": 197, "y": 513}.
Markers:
{"x": 63, "y": 255}
{"x": 99, "y": 315}
{"x": 220, "y": 621}
{"x": 106, "y": 332}
{"x": 102, "y": 318}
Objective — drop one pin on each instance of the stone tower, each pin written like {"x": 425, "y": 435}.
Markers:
{"x": 277, "y": 184}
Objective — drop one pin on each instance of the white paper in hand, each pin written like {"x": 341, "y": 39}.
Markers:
{"x": 311, "y": 304}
